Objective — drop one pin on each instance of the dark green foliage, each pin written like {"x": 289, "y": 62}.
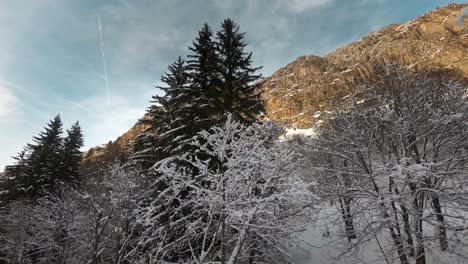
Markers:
{"x": 45, "y": 164}
{"x": 170, "y": 115}
{"x": 71, "y": 155}
{"x": 216, "y": 79}
{"x": 237, "y": 75}
{"x": 203, "y": 70}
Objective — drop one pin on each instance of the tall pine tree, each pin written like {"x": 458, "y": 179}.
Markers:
{"x": 239, "y": 95}
{"x": 8, "y": 185}
{"x": 46, "y": 163}
{"x": 216, "y": 79}
{"x": 43, "y": 166}
{"x": 202, "y": 65}
{"x": 167, "y": 117}
{"x": 71, "y": 156}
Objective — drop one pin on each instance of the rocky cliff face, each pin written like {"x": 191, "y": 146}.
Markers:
{"x": 97, "y": 158}
{"x": 298, "y": 92}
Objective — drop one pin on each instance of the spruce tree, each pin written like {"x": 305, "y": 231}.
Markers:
{"x": 71, "y": 156}
{"x": 170, "y": 119}
{"x": 238, "y": 93}
{"x": 202, "y": 65}
{"x": 167, "y": 117}
{"x": 178, "y": 108}
{"x": 16, "y": 170}
{"x": 13, "y": 173}
{"x": 46, "y": 163}
{"x": 216, "y": 79}
{"x": 43, "y": 165}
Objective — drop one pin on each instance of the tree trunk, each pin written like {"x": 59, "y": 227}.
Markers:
{"x": 397, "y": 241}
{"x": 420, "y": 251}
{"x": 345, "y": 204}
{"x": 223, "y": 225}
{"x": 442, "y": 231}
{"x": 399, "y": 246}
{"x": 420, "y": 254}
{"x": 407, "y": 228}
{"x": 97, "y": 238}
{"x": 405, "y": 216}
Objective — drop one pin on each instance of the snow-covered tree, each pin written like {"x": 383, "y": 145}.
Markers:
{"x": 396, "y": 169}
{"x": 244, "y": 203}
{"x": 51, "y": 230}
{"x": 169, "y": 118}
{"x": 61, "y": 227}
{"x": 110, "y": 209}
{"x": 124, "y": 194}
{"x": 16, "y": 233}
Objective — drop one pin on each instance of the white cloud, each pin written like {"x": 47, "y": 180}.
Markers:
{"x": 295, "y": 6}
{"x": 8, "y": 101}
{"x": 298, "y": 6}
{"x": 130, "y": 27}
{"x": 102, "y": 123}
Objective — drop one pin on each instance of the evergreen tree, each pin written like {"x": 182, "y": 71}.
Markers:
{"x": 170, "y": 119}
{"x": 43, "y": 164}
{"x": 71, "y": 155}
{"x": 238, "y": 91}
{"x": 18, "y": 168}
{"x": 216, "y": 79}
{"x": 202, "y": 65}
{"x": 167, "y": 117}
{"x": 8, "y": 190}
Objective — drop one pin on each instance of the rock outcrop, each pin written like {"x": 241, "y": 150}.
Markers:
{"x": 296, "y": 92}
{"x": 97, "y": 158}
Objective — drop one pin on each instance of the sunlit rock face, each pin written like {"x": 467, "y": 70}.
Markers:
{"x": 299, "y": 93}
{"x": 96, "y": 160}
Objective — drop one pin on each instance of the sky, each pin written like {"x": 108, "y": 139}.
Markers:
{"x": 51, "y": 59}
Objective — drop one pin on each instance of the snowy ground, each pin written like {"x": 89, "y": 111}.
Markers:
{"x": 319, "y": 239}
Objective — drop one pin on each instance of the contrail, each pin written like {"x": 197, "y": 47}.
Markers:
{"x": 104, "y": 61}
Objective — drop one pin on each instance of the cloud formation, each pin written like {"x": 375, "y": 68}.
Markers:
{"x": 8, "y": 101}
{"x": 55, "y": 65}
{"x": 103, "y": 123}
{"x": 299, "y": 6}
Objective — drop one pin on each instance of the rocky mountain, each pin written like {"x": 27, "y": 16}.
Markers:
{"x": 296, "y": 93}
{"x": 96, "y": 159}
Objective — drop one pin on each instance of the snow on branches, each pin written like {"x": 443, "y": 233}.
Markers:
{"x": 243, "y": 191}
{"x": 396, "y": 169}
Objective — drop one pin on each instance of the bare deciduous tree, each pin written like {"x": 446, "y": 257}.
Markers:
{"x": 247, "y": 200}
{"x": 398, "y": 165}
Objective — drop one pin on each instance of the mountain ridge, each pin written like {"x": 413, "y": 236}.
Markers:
{"x": 299, "y": 91}
{"x": 430, "y": 41}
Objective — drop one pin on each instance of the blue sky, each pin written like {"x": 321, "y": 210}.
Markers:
{"x": 50, "y": 55}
